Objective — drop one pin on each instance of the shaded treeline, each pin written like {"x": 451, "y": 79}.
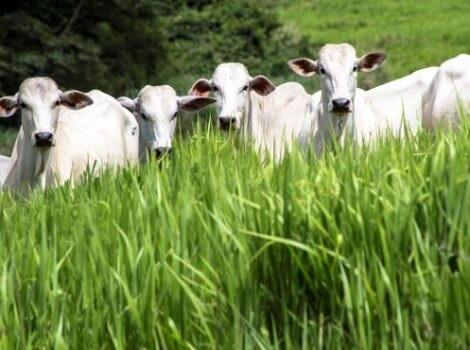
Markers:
{"x": 120, "y": 45}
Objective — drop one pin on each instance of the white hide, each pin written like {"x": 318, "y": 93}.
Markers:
{"x": 448, "y": 96}
{"x": 397, "y": 105}
{"x": 156, "y": 109}
{"x": 93, "y": 138}
{"x": 275, "y": 122}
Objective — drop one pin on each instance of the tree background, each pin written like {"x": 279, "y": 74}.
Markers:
{"x": 118, "y": 46}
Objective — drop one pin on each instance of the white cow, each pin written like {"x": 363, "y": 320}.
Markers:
{"x": 156, "y": 109}
{"x": 60, "y": 139}
{"x": 270, "y": 116}
{"x": 5, "y": 163}
{"x": 342, "y": 108}
{"x": 448, "y": 96}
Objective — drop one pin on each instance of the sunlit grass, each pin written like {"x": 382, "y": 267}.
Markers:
{"x": 213, "y": 249}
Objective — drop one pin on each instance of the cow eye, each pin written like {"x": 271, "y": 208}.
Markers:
{"x": 322, "y": 71}
{"x": 174, "y": 116}
{"x": 23, "y": 105}
{"x": 215, "y": 88}
{"x": 56, "y": 103}
{"x": 245, "y": 88}
{"x": 144, "y": 116}
{"x": 355, "y": 69}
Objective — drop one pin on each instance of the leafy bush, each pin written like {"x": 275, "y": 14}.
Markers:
{"x": 119, "y": 48}
{"x": 208, "y": 33}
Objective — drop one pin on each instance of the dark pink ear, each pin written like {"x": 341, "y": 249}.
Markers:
{"x": 8, "y": 106}
{"x": 75, "y": 99}
{"x": 262, "y": 85}
{"x": 371, "y": 61}
{"x": 194, "y": 103}
{"x": 304, "y": 67}
{"x": 202, "y": 88}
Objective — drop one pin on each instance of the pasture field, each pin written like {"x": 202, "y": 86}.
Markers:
{"x": 216, "y": 250}
{"x": 415, "y": 34}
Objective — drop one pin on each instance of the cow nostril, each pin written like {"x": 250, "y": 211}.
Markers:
{"x": 226, "y": 122}
{"x": 43, "y": 138}
{"x": 161, "y": 151}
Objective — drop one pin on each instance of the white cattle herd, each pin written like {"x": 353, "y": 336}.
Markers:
{"x": 67, "y": 134}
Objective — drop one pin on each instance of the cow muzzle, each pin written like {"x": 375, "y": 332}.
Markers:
{"x": 161, "y": 151}
{"x": 43, "y": 139}
{"x": 341, "y": 106}
{"x": 226, "y": 123}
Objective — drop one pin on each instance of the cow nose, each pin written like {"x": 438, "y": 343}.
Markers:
{"x": 226, "y": 122}
{"x": 341, "y": 105}
{"x": 161, "y": 151}
{"x": 43, "y": 139}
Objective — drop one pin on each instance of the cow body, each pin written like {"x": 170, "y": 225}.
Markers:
{"x": 397, "y": 105}
{"x": 101, "y": 135}
{"x": 448, "y": 96}
{"x": 275, "y": 122}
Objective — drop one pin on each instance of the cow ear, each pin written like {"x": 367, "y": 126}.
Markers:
{"x": 75, "y": 99}
{"x": 262, "y": 85}
{"x": 201, "y": 88}
{"x": 127, "y": 103}
{"x": 194, "y": 103}
{"x": 371, "y": 61}
{"x": 304, "y": 67}
{"x": 8, "y": 106}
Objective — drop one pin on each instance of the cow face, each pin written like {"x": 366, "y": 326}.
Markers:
{"x": 337, "y": 66}
{"x": 156, "y": 108}
{"x": 231, "y": 85}
{"x": 39, "y": 100}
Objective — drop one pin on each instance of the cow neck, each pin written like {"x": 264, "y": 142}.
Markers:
{"x": 253, "y": 122}
{"x": 335, "y": 125}
{"x": 144, "y": 149}
{"x": 33, "y": 164}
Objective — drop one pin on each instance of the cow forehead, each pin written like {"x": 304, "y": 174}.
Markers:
{"x": 38, "y": 89}
{"x": 231, "y": 74}
{"x": 337, "y": 54}
{"x": 154, "y": 99}
{"x": 150, "y": 95}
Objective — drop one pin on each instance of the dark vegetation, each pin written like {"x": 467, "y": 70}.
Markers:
{"x": 119, "y": 46}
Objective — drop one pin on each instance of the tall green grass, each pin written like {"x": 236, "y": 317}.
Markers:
{"x": 213, "y": 249}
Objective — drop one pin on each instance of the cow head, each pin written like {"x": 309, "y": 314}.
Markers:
{"x": 231, "y": 85}
{"x": 39, "y": 100}
{"x": 156, "y": 109}
{"x": 337, "y": 66}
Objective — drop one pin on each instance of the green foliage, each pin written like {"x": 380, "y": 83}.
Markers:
{"x": 244, "y": 31}
{"x": 81, "y": 44}
{"x": 121, "y": 46}
{"x": 212, "y": 249}
{"x": 7, "y": 139}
